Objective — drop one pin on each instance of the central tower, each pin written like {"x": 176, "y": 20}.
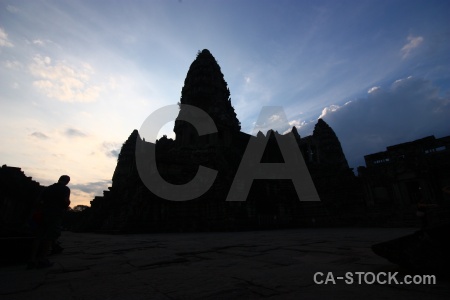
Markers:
{"x": 206, "y": 88}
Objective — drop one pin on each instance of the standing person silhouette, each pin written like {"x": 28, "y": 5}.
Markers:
{"x": 55, "y": 200}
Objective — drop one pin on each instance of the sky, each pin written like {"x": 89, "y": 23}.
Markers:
{"x": 77, "y": 77}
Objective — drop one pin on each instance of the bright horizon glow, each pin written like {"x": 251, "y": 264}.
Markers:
{"x": 77, "y": 77}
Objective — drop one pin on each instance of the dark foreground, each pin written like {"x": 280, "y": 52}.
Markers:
{"x": 245, "y": 265}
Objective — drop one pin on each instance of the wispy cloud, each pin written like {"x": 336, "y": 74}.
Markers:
{"x": 373, "y": 89}
{"x": 92, "y": 187}
{"x": 38, "y": 42}
{"x": 83, "y": 193}
{"x": 413, "y": 42}
{"x": 64, "y": 82}
{"x": 111, "y": 149}
{"x": 39, "y": 135}
{"x": 72, "y": 132}
{"x": 4, "y": 41}
{"x": 13, "y": 64}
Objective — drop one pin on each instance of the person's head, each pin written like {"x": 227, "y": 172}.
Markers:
{"x": 64, "y": 179}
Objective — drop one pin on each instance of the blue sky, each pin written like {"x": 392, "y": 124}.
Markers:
{"x": 76, "y": 77}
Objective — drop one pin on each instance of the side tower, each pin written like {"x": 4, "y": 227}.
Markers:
{"x": 126, "y": 162}
{"x": 205, "y": 88}
{"x": 328, "y": 148}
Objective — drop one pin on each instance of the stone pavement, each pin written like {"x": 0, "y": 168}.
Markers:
{"x": 277, "y": 264}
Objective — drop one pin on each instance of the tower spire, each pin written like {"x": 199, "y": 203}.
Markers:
{"x": 206, "y": 88}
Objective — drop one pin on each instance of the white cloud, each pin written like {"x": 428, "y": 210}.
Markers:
{"x": 274, "y": 118}
{"x": 38, "y": 42}
{"x": 400, "y": 81}
{"x": 4, "y": 41}
{"x": 372, "y": 90}
{"x": 413, "y": 42}
{"x": 409, "y": 109}
{"x": 328, "y": 110}
{"x": 297, "y": 123}
{"x": 63, "y": 82}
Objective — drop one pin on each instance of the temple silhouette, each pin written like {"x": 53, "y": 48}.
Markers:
{"x": 384, "y": 193}
{"x": 129, "y": 206}
{"x": 18, "y": 194}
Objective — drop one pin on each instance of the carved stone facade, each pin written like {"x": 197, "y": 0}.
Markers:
{"x": 130, "y": 206}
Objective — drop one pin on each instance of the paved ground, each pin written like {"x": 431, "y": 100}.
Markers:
{"x": 245, "y": 265}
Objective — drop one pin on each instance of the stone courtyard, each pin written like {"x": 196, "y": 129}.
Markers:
{"x": 277, "y": 264}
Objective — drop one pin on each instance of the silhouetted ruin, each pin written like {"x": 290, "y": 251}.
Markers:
{"x": 18, "y": 194}
{"x": 395, "y": 180}
{"x": 129, "y": 206}
{"x": 400, "y": 180}
{"x": 385, "y": 192}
